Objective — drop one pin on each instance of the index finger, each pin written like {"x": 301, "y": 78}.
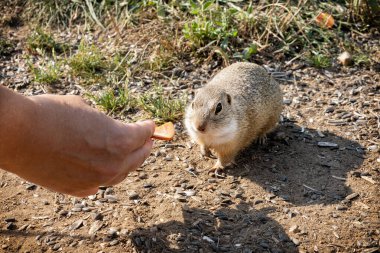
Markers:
{"x": 139, "y": 133}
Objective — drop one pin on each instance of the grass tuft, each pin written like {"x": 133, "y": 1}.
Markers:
{"x": 87, "y": 61}
{"x": 115, "y": 100}
{"x": 161, "y": 106}
{"x": 40, "y": 41}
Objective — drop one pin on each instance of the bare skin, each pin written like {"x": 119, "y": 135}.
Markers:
{"x": 63, "y": 144}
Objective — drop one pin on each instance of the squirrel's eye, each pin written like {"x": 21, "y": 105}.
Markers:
{"x": 218, "y": 108}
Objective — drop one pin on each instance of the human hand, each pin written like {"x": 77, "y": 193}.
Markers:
{"x": 69, "y": 147}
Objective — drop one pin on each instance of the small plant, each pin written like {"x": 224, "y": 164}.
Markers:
{"x": 319, "y": 60}
{"x": 112, "y": 100}
{"x": 161, "y": 106}
{"x": 49, "y": 72}
{"x": 211, "y": 23}
{"x": 40, "y": 41}
{"x": 6, "y": 47}
{"x": 87, "y": 61}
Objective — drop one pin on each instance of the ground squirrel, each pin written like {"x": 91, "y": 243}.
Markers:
{"x": 242, "y": 103}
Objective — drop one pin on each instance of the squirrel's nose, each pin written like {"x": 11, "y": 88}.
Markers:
{"x": 201, "y": 127}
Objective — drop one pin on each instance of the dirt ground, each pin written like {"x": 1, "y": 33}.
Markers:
{"x": 314, "y": 187}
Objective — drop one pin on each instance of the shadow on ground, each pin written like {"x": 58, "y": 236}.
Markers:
{"x": 295, "y": 168}
{"x": 225, "y": 230}
{"x": 292, "y": 166}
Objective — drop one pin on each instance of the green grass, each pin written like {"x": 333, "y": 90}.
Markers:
{"x": 319, "y": 60}
{"x": 161, "y": 106}
{"x": 210, "y": 23}
{"x": 6, "y": 47}
{"x": 115, "y": 100}
{"x": 40, "y": 41}
{"x": 88, "y": 61}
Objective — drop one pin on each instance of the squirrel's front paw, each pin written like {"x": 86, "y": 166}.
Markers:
{"x": 206, "y": 152}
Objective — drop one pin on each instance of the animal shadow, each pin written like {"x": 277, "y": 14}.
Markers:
{"x": 300, "y": 165}
{"x": 240, "y": 229}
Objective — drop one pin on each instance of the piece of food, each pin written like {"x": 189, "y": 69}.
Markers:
{"x": 325, "y": 20}
{"x": 164, "y": 132}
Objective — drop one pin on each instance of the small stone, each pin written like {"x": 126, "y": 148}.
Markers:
{"x": 330, "y": 109}
{"x": 133, "y": 195}
{"x": 63, "y": 212}
{"x": 92, "y": 197}
{"x": 295, "y": 241}
{"x": 179, "y": 197}
{"x": 148, "y": 185}
{"x": 189, "y": 193}
{"x": 56, "y": 247}
{"x": 73, "y": 244}
{"x": 30, "y": 186}
{"x": 352, "y": 196}
{"x": 76, "y": 209}
{"x": 4, "y": 246}
{"x": 294, "y": 229}
{"x": 373, "y": 148}
{"x": 287, "y": 101}
{"x": 96, "y": 226}
{"x": 326, "y": 144}
{"x": 341, "y": 208}
{"x": 77, "y": 224}
{"x": 345, "y": 58}
{"x": 111, "y": 198}
{"x": 169, "y": 157}
{"x": 112, "y": 232}
{"x": 114, "y": 242}
{"x": 97, "y": 216}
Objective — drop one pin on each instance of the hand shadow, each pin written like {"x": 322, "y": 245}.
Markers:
{"x": 295, "y": 168}
{"x": 240, "y": 229}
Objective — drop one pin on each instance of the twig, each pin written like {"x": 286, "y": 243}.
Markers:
{"x": 311, "y": 188}
{"x": 369, "y": 179}
{"x": 339, "y": 178}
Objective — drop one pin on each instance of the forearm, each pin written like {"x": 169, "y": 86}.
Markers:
{"x": 16, "y": 112}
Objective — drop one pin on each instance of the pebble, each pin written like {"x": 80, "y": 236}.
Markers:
{"x": 112, "y": 232}
{"x": 352, "y": 196}
{"x": 169, "y": 157}
{"x": 73, "y": 244}
{"x": 329, "y": 109}
{"x": 111, "y": 198}
{"x": 56, "y": 247}
{"x": 295, "y": 241}
{"x": 132, "y": 195}
{"x": 179, "y": 197}
{"x": 96, "y": 226}
{"x": 114, "y": 242}
{"x": 30, "y": 186}
{"x": 294, "y": 229}
{"x": 189, "y": 193}
{"x": 76, "y": 209}
{"x": 4, "y": 246}
{"x": 341, "y": 208}
{"x": 77, "y": 224}
{"x": 97, "y": 216}
{"x": 345, "y": 58}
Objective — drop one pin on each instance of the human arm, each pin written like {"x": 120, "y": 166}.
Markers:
{"x": 63, "y": 144}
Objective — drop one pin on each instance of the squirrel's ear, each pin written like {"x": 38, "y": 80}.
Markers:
{"x": 228, "y": 98}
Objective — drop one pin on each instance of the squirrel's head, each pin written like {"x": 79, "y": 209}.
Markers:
{"x": 210, "y": 112}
